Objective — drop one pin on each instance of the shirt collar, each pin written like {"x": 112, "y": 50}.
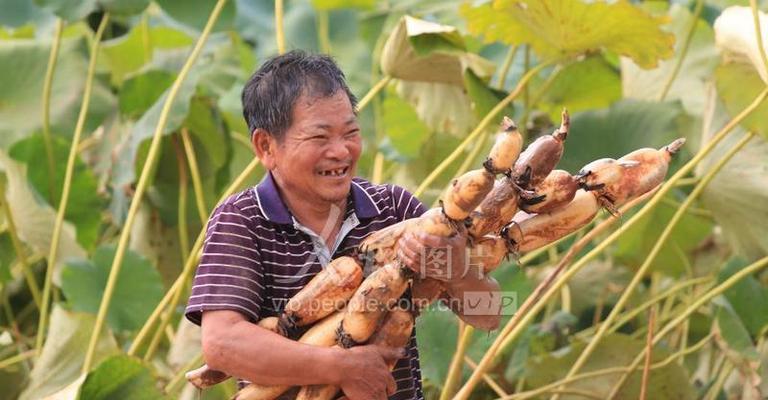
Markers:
{"x": 275, "y": 210}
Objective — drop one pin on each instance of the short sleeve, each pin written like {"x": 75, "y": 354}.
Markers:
{"x": 406, "y": 205}
{"x": 230, "y": 274}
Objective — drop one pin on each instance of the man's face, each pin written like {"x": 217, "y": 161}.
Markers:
{"x": 317, "y": 157}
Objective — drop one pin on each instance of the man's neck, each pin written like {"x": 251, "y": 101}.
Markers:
{"x": 323, "y": 218}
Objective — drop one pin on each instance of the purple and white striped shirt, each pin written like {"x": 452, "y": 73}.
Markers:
{"x": 256, "y": 256}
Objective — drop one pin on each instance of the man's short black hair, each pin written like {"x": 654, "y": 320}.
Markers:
{"x": 269, "y": 96}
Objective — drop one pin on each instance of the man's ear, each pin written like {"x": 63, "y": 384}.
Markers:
{"x": 264, "y": 146}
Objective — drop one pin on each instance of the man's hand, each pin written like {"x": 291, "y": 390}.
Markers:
{"x": 433, "y": 256}
{"x": 366, "y": 373}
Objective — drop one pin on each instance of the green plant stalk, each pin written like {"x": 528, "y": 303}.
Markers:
{"x": 279, "y": 29}
{"x": 480, "y": 128}
{"x": 514, "y": 326}
{"x": 683, "y": 50}
{"x": 648, "y": 353}
{"x": 628, "y": 316}
{"x": 17, "y": 358}
{"x": 454, "y": 371}
{"x": 18, "y": 247}
{"x": 189, "y": 266}
{"x": 8, "y": 310}
{"x": 722, "y": 375}
{"x": 171, "y": 386}
{"x": 536, "y": 98}
{"x": 381, "y": 84}
{"x": 323, "y": 35}
{"x": 197, "y": 184}
{"x": 700, "y": 301}
{"x": 504, "y": 71}
{"x": 69, "y": 172}
{"x": 243, "y": 140}
{"x": 164, "y": 321}
{"x": 645, "y": 267}
{"x": 47, "y": 84}
{"x": 183, "y": 191}
{"x": 608, "y": 371}
{"x": 468, "y": 162}
{"x": 141, "y": 187}
{"x": 488, "y": 380}
{"x": 758, "y": 33}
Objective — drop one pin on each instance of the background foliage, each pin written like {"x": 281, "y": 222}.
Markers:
{"x": 132, "y": 177}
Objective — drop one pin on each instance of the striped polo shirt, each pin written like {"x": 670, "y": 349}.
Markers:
{"x": 256, "y": 256}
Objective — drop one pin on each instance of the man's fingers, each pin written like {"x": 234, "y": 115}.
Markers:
{"x": 391, "y": 353}
{"x": 391, "y": 385}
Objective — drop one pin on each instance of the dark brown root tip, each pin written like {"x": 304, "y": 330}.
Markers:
{"x": 525, "y": 178}
{"x": 488, "y": 165}
{"x": 607, "y": 203}
{"x": 530, "y": 201}
{"x": 565, "y": 125}
{"x": 591, "y": 188}
{"x": 288, "y": 326}
{"x": 507, "y": 125}
{"x": 343, "y": 339}
{"x": 675, "y": 146}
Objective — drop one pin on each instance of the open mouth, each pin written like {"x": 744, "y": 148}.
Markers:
{"x": 335, "y": 172}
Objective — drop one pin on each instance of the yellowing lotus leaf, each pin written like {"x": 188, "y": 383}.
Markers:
{"x": 566, "y": 28}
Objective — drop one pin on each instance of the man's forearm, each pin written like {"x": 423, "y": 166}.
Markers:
{"x": 263, "y": 357}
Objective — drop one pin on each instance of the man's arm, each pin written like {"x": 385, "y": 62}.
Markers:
{"x": 234, "y": 345}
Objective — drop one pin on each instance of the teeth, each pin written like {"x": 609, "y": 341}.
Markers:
{"x": 334, "y": 172}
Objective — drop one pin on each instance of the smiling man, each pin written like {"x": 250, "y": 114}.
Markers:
{"x": 264, "y": 244}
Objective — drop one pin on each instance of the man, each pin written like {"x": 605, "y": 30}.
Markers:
{"x": 265, "y": 243}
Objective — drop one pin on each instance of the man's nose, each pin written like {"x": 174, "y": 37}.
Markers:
{"x": 338, "y": 150}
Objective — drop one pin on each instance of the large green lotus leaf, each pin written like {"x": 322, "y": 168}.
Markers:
{"x": 615, "y": 350}
{"x": 69, "y": 10}
{"x": 120, "y": 377}
{"x": 637, "y": 242}
{"x": 738, "y": 195}
{"x": 735, "y": 36}
{"x": 64, "y": 351}
{"x": 423, "y": 51}
{"x": 142, "y": 90}
{"x": 623, "y": 127}
{"x": 22, "y": 67}
{"x": 484, "y": 98}
{"x": 34, "y": 218}
{"x": 558, "y": 28}
{"x": 195, "y": 13}
{"x": 125, "y": 165}
{"x": 738, "y": 85}
{"x": 405, "y": 131}
{"x": 589, "y": 84}
{"x": 442, "y": 107}
{"x": 127, "y": 54}
{"x": 690, "y": 83}
{"x": 440, "y": 329}
{"x": 733, "y": 336}
{"x": 17, "y": 13}
{"x": 748, "y": 298}
{"x": 84, "y": 205}
{"x": 158, "y": 242}
{"x": 74, "y": 10}
{"x": 139, "y": 287}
